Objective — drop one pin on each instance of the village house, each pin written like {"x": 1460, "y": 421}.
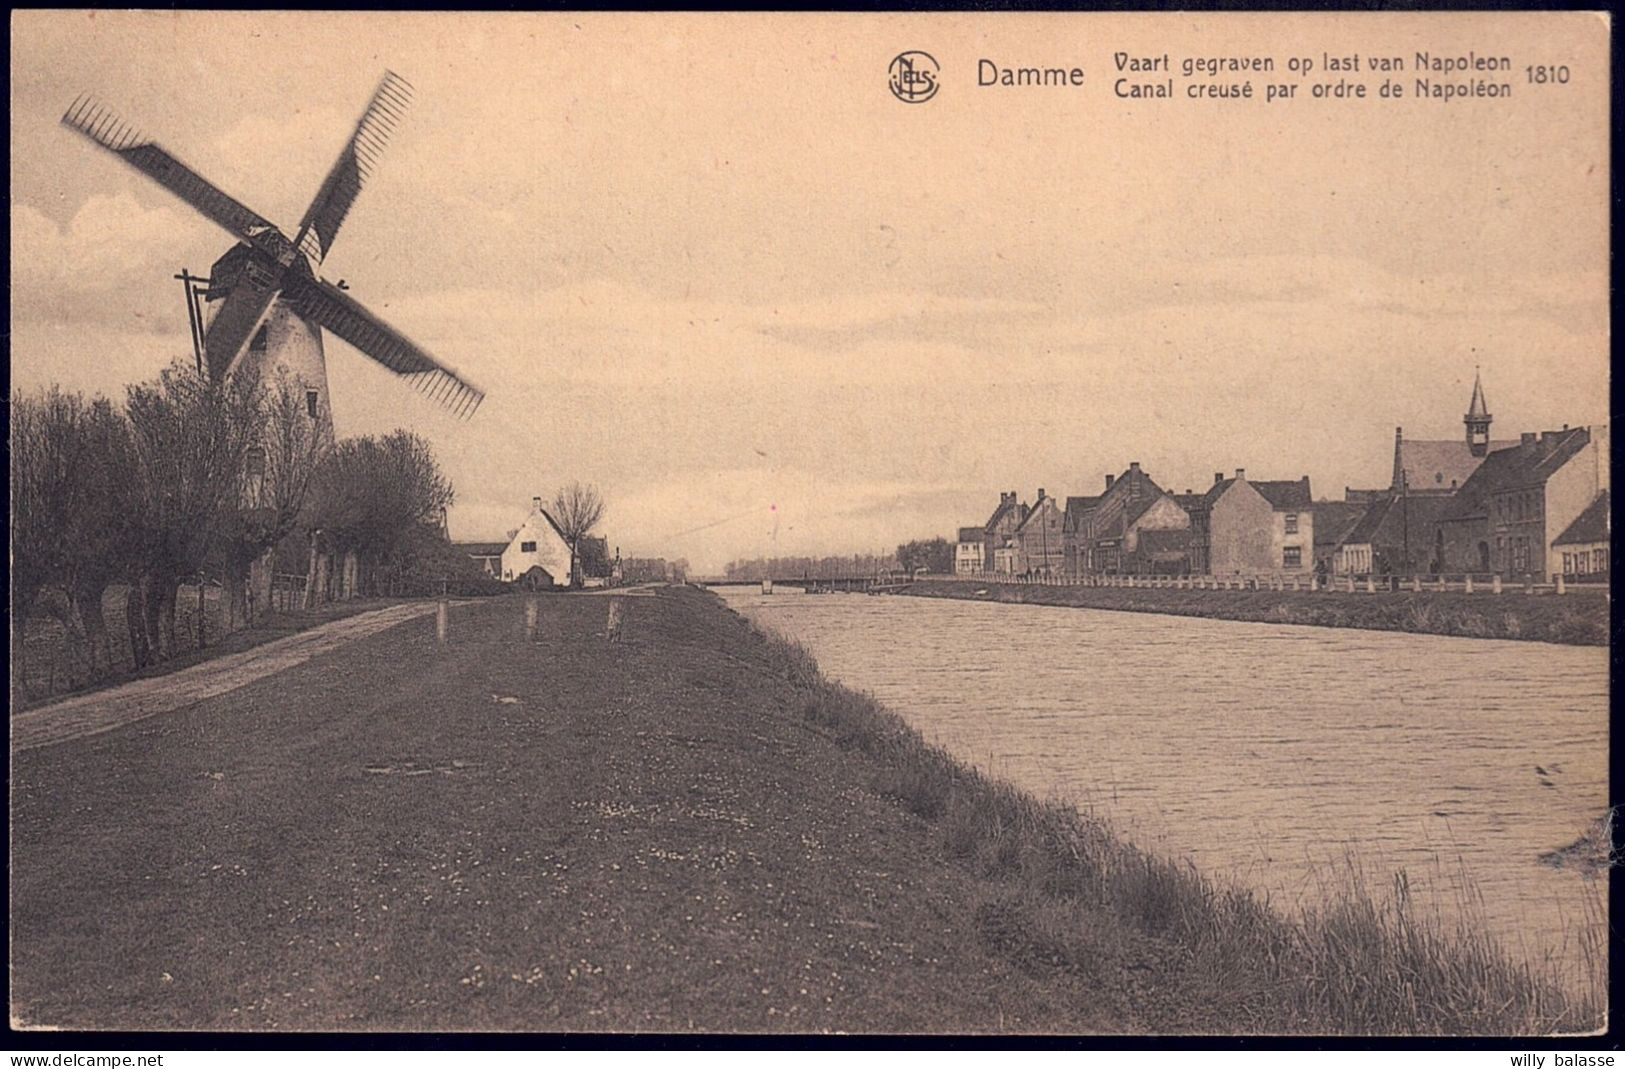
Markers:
{"x": 969, "y": 551}
{"x": 1263, "y": 527}
{"x": 1583, "y": 547}
{"x": 488, "y": 555}
{"x": 999, "y": 535}
{"x": 1396, "y": 534}
{"x": 1074, "y": 527}
{"x": 1040, "y": 547}
{"x": 1134, "y": 527}
{"x": 1508, "y": 515}
{"x": 538, "y": 556}
{"x": 1334, "y": 520}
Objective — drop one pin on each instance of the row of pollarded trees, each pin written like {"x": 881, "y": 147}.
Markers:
{"x": 190, "y": 477}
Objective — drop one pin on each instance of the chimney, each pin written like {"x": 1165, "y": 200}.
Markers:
{"x": 1040, "y": 493}
{"x": 1527, "y": 438}
{"x": 1218, "y": 477}
{"x": 1241, "y": 473}
{"x": 1134, "y": 465}
{"x": 1187, "y": 491}
{"x": 1109, "y": 479}
{"x": 535, "y": 504}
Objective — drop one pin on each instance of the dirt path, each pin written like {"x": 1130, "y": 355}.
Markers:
{"x": 500, "y": 833}
{"x": 92, "y": 714}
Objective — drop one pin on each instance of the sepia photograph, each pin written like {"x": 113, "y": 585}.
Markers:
{"x": 958, "y": 524}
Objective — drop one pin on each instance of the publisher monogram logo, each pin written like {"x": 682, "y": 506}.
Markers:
{"x": 913, "y": 77}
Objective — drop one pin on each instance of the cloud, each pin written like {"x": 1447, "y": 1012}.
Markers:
{"x": 107, "y": 244}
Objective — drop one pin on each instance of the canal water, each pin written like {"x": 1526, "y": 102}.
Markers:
{"x": 1272, "y": 756}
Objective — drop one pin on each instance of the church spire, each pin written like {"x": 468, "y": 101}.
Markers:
{"x": 1478, "y": 420}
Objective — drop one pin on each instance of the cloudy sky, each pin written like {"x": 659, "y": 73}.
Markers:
{"x": 710, "y": 264}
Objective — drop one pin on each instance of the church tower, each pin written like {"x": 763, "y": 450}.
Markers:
{"x": 1477, "y": 420}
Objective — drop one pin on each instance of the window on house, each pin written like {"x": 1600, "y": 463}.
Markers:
{"x": 1568, "y": 564}
{"x": 1599, "y": 557}
{"x": 527, "y": 547}
{"x": 1292, "y": 523}
{"x": 312, "y": 401}
{"x": 258, "y": 344}
{"x": 1292, "y": 557}
{"x": 1535, "y": 503}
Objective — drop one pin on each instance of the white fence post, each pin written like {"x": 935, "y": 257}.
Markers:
{"x": 1467, "y": 585}
{"x": 441, "y": 620}
{"x": 1495, "y": 583}
{"x": 1558, "y": 579}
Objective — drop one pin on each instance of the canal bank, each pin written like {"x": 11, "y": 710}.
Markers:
{"x": 1575, "y": 619}
{"x": 688, "y": 828}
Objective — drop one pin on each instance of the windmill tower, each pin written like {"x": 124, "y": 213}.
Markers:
{"x": 268, "y": 303}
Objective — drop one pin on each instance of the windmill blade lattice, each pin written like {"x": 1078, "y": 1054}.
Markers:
{"x": 97, "y": 122}
{"x": 325, "y": 304}
{"x": 354, "y": 166}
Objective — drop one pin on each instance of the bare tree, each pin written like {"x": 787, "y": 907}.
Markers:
{"x": 279, "y": 468}
{"x": 190, "y": 442}
{"x": 43, "y": 462}
{"x": 70, "y": 500}
{"x": 577, "y": 510}
{"x": 371, "y": 498}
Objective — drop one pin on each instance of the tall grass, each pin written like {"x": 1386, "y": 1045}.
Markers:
{"x": 1069, "y": 895}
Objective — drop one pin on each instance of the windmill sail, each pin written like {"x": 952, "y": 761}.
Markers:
{"x": 354, "y": 166}
{"x": 325, "y": 304}
{"x": 96, "y": 122}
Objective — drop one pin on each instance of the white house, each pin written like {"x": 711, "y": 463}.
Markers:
{"x": 539, "y": 544}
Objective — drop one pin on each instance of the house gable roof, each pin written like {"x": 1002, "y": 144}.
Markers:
{"x": 1388, "y": 520}
{"x": 1005, "y": 506}
{"x": 482, "y": 549}
{"x": 1592, "y": 525}
{"x": 1525, "y": 465}
{"x": 1076, "y": 509}
{"x": 1432, "y": 464}
{"x": 1286, "y": 495}
{"x": 1335, "y": 519}
{"x": 1038, "y": 507}
{"x": 971, "y": 534}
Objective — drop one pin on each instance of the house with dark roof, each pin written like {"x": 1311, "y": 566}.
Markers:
{"x": 1258, "y": 527}
{"x": 1396, "y": 534}
{"x": 1040, "y": 549}
{"x": 1508, "y": 515}
{"x": 1443, "y": 466}
{"x": 488, "y": 555}
{"x": 999, "y": 534}
{"x": 1584, "y": 546}
{"x": 1107, "y": 534}
{"x": 970, "y": 551}
{"x": 1074, "y": 522}
{"x": 1333, "y": 522}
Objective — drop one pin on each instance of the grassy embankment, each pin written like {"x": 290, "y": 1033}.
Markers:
{"x": 687, "y": 829}
{"x": 1579, "y": 618}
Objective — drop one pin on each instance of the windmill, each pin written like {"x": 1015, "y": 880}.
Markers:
{"x": 274, "y": 305}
